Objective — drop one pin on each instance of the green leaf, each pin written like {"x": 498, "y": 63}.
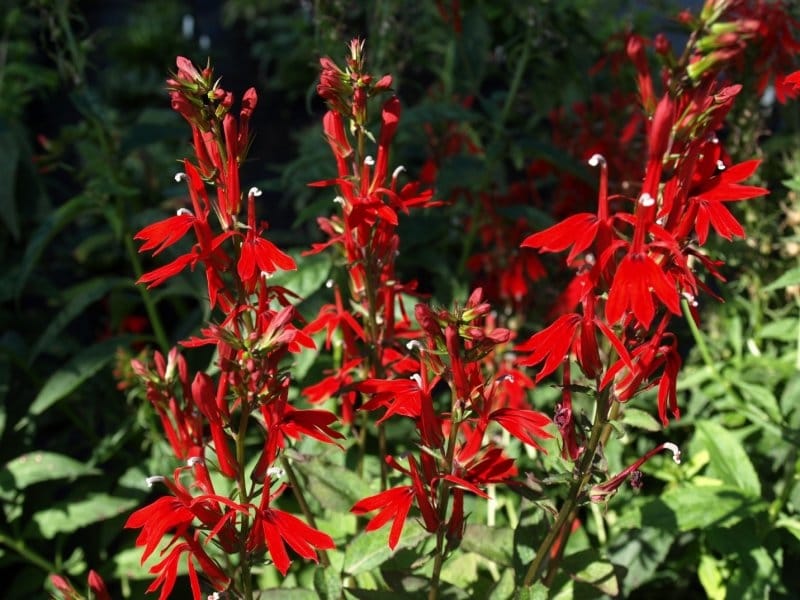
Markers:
{"x": 635, "y": 417}
{"x": 35, "y": 467}
{"x": 335, "y": 487}
{"x": 642, "y": 551}
{"x": 791, "y": 277}
{"x": 729, "y": 461}
{"x": 78, "y": 298}
{"x": 784, "y": 330}
{"x": 68, "y": 378}
{"x": 370, "y": 549}
{"x": 504, "y": 588}
{"x": 328, "y": 583}
{"x": 68, "y": 516}
{"x": 53, "y": 223}
{"x": 311, "y": 274}
{"x": 761, "y": 396}
{"x": 790, "y": 524}
{"x": 494, "y": 543}
{"x": 712, "y": 577}
{"x": 587, "y": 567}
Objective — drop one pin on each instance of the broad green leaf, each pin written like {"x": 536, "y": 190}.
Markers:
{"x": 335, "y": 487}
{"x": 729, "y": 461}
{"x": 587, "y": 567}
{"x": 69, "y": 377}
{"x": 791, "y": 277}
{"x": 36, "y": 467}
{"x": 761, "y": 396}
{"x": 78, "y": 298}
{"x": 712, "y": 578}
{"x": 311, "y": 274}
{"x": 494, "y": 543}
{"x": 635, "y": 417}
{"x": 641, "y": 551}
{"x": 370, "y": 549}
{"x": 461, "y": 569}
{"x": 504, "y": 588}
{"x": 784, "y": 330}
{"x": 328, "y": 583}
{"x": 67, "y": 516}
{"x": 791, "y": 524}
{"x": 537, "y": 591}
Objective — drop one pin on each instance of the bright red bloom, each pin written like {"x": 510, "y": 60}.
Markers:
{"x": 392, "y": 504}
{"x": 259, "y": 252}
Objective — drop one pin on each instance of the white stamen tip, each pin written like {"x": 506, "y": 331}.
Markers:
{"x": 507, "y": 377}
{"x": 180, "y": 177}
{"x": 720, "y": 165}
{"x": 369, "y": 161}
{"x": 413, "y": 345}
{"x": 597, "y": 160}
{"x": 154, "y": 479}
{"x": 254, "y": 191}
{"x": 184, "y": 211}
{"x": 275, "y": 472}
{"x": 329, "y": 283}
{"x": 338, "y": 200}
{"x": 266, "y": 275}
{"x": 397, "y": 171}
{"x": 589, "y": 258}
{"x": 194, "y": 460}
{"x": 676, "y": 452}
{"x": 646, "y": 200}
{"x": 418, "y": 378}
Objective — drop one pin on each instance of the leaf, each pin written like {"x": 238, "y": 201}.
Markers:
{"x": 35, "y": 467}
{"x": 494, "y": 543}
{"x": 70, "y": 377}
{"x": 370, "y": 549}
{"x": 642, "y": 551}
{"x": 791, "y": 277}
{"x": 335, "y": 487}
{"x": 311, "y": 274}
{"x": 78, "y": 298}
{"x": 52, "y": 224}
{"x": 287, "y": 594}
{"x": 68, "y": 516}
{"x": 711, "y": 578}
{"x": 587, "y": 567}
{"x": 784, "y": 330}
{"x": 328, "y": 583}
{"x": 729, "y": 461}
{"x": 761, "y": 396}
{"x": 635, "y": 417}
{"x": 790, "y": 524}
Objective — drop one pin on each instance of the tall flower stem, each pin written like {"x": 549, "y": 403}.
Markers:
{"x": 241, "y": 459}
{"x": 444, "y": 495}
{"x": 571, "y": 502}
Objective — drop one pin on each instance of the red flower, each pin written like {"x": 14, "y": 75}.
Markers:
{"x": 393, "y": 504}
{"x": 259, "y": 252}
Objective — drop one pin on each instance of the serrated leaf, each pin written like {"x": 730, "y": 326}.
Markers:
{"x": 640, "y": 419}
{"x": 68, "y": 516}
{"x": 494, "y": 543}
{"x": 729, "y": 461}
{"x": 70, "y": 377}
{"x": 370, "y": 549}
{"x": 78, "y": 298}
{"x": 35, "y": 467}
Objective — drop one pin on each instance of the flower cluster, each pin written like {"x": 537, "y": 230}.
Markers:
{"x": 210, "y": 421}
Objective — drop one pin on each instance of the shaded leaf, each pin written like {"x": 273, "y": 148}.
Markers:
{"x": 494, "y": 543}
{"x": 729, "y": 461}
{"x": 35, "y": 467}
{"x": 68, "y": 516}
{"x": 640, "y": 419}
{"x": 370, "y": 549}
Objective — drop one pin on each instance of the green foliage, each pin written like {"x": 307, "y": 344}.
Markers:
{"x": 89, "y": 148}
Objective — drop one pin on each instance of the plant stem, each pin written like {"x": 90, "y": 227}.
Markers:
{"x": 31, "y": 556}
{"x": 241, "y": 459}
{"x": 571, "y": 502}
{"x": 147, "y": 298}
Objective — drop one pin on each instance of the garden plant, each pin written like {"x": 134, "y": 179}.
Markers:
{"x": 474, "y": 339}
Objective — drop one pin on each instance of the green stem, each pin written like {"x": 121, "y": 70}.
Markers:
{"x": 241, "y": 459}
{"x": 147, "y": 298}
{"x": 444, "y": 497}
{"x": 571, "y": 502}
{"x": 30, "y": 555}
